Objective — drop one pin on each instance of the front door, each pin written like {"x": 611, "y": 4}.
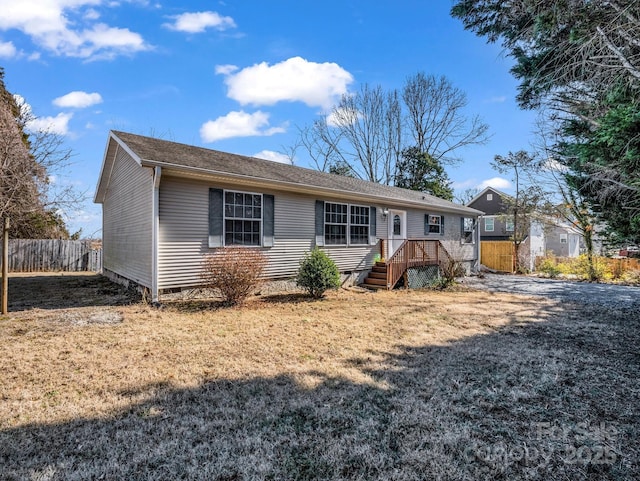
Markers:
{"x": 397, "y": 229}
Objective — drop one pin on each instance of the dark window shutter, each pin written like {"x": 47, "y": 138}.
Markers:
{"x": 319, "y": 222}
{"x": 441, "y": 225}
{"x": 267, "y": 220}
{"x": 426, "y": 224}
{"x": 462, "y": 227}
{"x": 372, "y": 226}
{"x": 215, "y": 218}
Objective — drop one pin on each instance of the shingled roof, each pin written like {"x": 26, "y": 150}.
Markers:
{"x": 155, "y": 152}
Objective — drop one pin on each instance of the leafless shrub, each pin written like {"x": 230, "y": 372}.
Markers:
{"x": 234, "y": 272}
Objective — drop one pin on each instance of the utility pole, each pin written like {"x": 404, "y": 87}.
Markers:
{"x": 5, "y": 267}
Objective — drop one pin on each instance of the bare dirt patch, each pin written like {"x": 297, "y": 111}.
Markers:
{"x": 392, "y": 385}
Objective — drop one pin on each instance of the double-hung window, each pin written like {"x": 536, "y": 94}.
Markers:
{"x": 468, "y": 225}
{"x": 509, "y": 224}
{"x": 488, "y": 224}
{"x": 242, "y": 218}
{"x": 359, "y": 225}
{"x": 434, "y": 224}
{"x": 346, "y": 224}
{"x": 336, "y": 221}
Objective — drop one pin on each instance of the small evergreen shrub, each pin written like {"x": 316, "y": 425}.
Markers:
{"x": 233, "y": 271}
{"x": 317, "y": 273}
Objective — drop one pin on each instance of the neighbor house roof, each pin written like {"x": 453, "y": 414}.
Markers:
{"x": 176, "y": 157}
{"x": 488, "y": 189}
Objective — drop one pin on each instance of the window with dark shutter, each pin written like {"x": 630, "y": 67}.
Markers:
{"x": 242, "y": 218}
{"x": 215, "y": 218}
{"x": 433, "y": 224}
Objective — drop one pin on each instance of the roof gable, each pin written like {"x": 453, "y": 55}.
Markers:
{"x": 187, "y": 158}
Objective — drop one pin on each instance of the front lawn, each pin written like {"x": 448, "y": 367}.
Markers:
{"x": 397, "y": 385}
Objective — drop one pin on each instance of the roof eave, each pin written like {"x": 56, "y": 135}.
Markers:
{"x": 306, "y": 188}
{"x": 107, "y": 166}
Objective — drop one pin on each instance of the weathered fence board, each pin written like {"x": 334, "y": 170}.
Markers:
{"x": 53, "y": 255}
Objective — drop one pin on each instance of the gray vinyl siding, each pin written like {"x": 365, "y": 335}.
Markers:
{"x": 127, "y": 221}
{"x": 183, "y": 233}
{"x": 452, "y": 238}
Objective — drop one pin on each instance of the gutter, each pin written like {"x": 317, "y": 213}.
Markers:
{"x": 155, "y": 224}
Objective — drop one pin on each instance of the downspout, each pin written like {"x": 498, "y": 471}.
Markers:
{"x": 157, "y": 174}
{"x": 478, "y": 246}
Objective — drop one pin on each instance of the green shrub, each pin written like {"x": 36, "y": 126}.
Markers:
{"x": 550, "y": 267}
{"x": 318, "y": 273}
{"x": 584, "y": 271}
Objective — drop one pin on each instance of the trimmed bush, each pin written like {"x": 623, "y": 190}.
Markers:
{"x": 318, "y": 273}
{"x": 233, "y": 271}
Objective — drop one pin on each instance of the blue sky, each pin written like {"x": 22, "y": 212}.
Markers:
{"x": 239, "y": 76}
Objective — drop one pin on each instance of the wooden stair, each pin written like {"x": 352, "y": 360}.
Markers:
{"x": 377, "y": 278}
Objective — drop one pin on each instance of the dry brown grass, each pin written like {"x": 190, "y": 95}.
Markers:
{"x": 388, "y": 385}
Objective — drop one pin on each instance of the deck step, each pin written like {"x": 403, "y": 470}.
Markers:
{"x": 376, "y": 282}
{"x": 377, "y": 275}
{"x": 374, "y": 287}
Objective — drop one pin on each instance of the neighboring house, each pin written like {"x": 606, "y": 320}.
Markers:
{"x": 563, "y": 240}
{"x": 166, "y": 205}
{"x": 545, "y": 234}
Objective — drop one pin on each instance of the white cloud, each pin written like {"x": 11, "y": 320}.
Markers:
{"x": 65, "y": 27}
{"x": 92, "y": 14}
{"x": 293, "y": 80}
{"x": 198, "y": 22}
{"x": 55, "y": 125}
{"x": 78, "y": 99}
{"x": 225, "y": 69}
{"x": 495, "y": 182}
{"x": 238, "y": 124}
{"x": 465, "y": 184}
{"x": 273, "y": 156}
{"x": 496, "y": 100}
{"x": 7, "y": 50}
{"x": 343, "y": 117}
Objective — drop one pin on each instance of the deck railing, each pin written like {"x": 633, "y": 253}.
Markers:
{"x": 412, "y": 253}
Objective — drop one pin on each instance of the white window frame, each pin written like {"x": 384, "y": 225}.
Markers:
{"x": 243, "y": 219}
{"x": 564, "y": 238}
{"x": 439, "y": 224}
{"x": 489, "y": 197}
{"x": 493, "y": 224}
{"x": 347, "y": 225}
{"x": 367, "y": 225}
{"x": 509, "y": 225}
{"x": 463, "y": 240}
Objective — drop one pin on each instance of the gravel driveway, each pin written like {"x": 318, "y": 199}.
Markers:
{"x": 603, "y": 295}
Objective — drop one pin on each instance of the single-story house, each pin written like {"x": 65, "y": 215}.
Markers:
{"x": 166, "y": 205}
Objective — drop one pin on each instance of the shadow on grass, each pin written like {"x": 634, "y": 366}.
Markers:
{"x": 66, "y": 291}
{"x": 555, "y": 398}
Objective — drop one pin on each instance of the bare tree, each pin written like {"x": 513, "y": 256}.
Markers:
{"x": 524, "y": 207}
{"x": 436, "y": 120}
{"x": 366, "y": 133}
{"x": 27, "y": 161}
{"x": 467, "y": 195}
{"x": 362, "y": 132}
{"x": 563, "y": 198}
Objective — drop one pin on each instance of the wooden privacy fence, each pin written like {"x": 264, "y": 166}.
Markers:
{"x": 497, "y": 255}
{"x": 47, "y": 255}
